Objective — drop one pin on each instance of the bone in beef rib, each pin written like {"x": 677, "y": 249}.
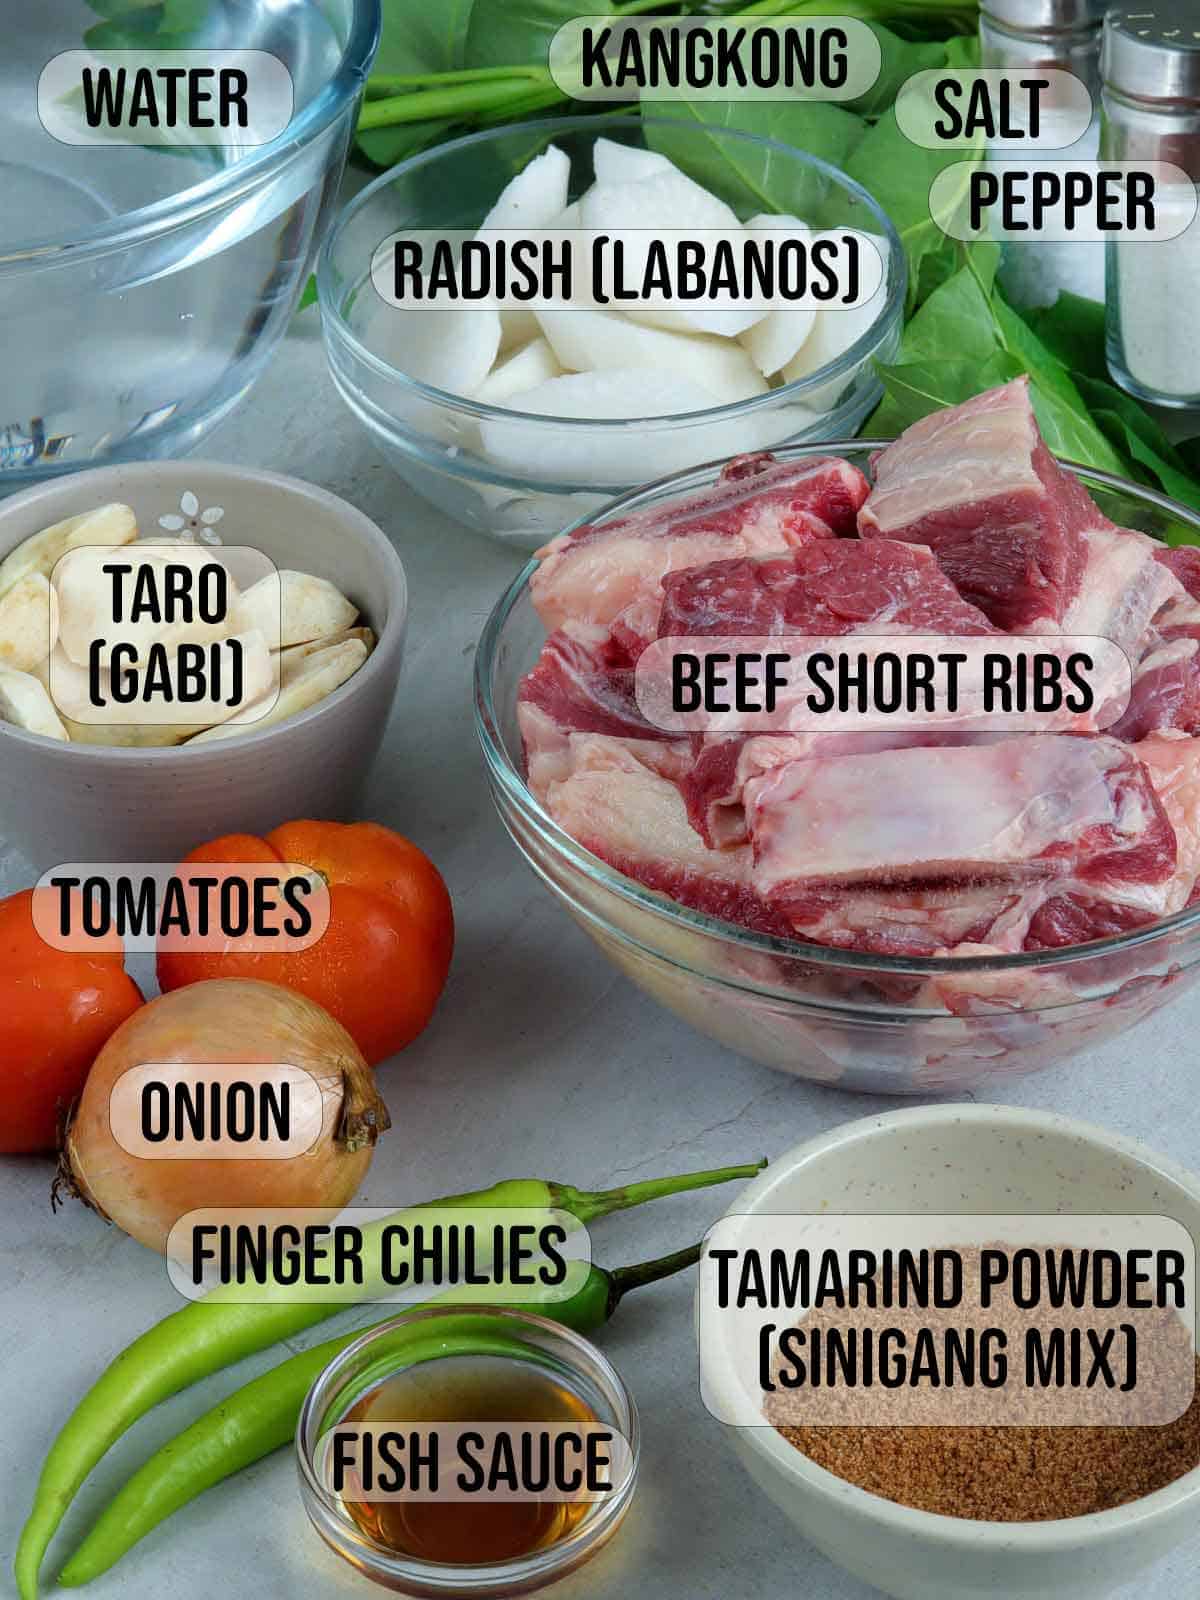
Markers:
{"x": 1014, "y": 810}
{"x": 620, "y": 799}
{"x": 977, "y": 485}
{"x": 757, "y": 506}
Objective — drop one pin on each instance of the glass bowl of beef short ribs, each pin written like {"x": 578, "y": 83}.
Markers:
{"x": 891, "y": 912}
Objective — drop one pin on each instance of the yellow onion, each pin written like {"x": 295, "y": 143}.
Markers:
{"x": 226, "y": 1021}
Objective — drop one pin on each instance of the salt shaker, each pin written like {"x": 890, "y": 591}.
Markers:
{"x": 1151, "y": 112}
{"x": 1025, "y": 35}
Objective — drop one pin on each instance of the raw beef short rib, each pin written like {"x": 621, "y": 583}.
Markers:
{"x": 1011, "y": 810}
{"x": 977, "y": 485}
{"x": 758, "y": 505}
{"x": 831, "y": 587}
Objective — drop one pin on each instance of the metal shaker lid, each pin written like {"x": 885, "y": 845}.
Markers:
{"x": 1044, "y": 16}
{"x": 1151, "y": 51}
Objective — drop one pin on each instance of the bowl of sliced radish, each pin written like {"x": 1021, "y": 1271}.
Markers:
{"x": 519, "y": 421}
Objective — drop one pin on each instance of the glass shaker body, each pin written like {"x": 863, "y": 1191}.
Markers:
{"x": 1065, "y": 38}
{"x": 1153, "y": 285}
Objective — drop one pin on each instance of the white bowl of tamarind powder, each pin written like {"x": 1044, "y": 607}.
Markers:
{"x": 1064, "y": 1492}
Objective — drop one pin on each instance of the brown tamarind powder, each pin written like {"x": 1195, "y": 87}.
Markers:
{"x": 1008, "y": 1474}
{"x": 1011, "y": 1471}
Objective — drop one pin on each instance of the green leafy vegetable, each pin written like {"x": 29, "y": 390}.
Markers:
{"x": 965, "y": 339}
{"x": 501, "y": 32}
{"x": 914, "y": 389}
{"x": 1072, "y": 330}
{"x": 963, "y": 51}
{"x": 900, "y": 59}
{"x": 419, "y": 39}
{"x": 898, "y": 174}
{"x": 748, "y": 177}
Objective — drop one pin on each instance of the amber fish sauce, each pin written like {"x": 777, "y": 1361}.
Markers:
{"x": 483, "y": 1530}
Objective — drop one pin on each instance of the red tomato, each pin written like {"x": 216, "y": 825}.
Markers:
{"x": 381, "y": 964}
{"x": 59, "y": 1010}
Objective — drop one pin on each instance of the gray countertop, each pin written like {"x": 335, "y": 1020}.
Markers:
{"x": 542, "y": 1061}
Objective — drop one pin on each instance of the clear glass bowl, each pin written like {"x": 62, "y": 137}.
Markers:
{"x": 433, "y": 438}
{"x": 143, "y": 289}
{"x": 440, "y": 1336}
{"x": 884, "y": 1025}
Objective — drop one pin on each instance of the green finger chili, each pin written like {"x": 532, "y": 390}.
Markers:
{"x": 216, "y": 1331}
{"x": 261, "y": 1417}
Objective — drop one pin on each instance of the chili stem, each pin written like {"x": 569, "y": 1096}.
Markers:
{"x": 587, "y": 1204}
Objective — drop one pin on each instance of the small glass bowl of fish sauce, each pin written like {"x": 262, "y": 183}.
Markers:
{"x": 468, "y": 1451}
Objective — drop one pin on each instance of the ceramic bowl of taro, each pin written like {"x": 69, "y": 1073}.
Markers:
{"x": 64, "y": 801}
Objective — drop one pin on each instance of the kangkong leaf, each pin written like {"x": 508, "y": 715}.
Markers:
{"x": 900, "y": 58}
{"x": 505, "y": 33}
{"x": 746, "y": 176}
{"x": 1137, "y": 433}
{"x": 966, "y": 339}
{"x": 1073, "y": 330}
{"x": 956, "y": 323}
{"x": 963, "y": 51}
{"x": 418, "y": 37}
{"x": 899, "y": 174}
{"x": 914, "y": 390}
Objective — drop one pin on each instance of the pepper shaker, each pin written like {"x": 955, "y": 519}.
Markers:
{"x": 1151, "y": 112}
{"x": 1036, "y": 35}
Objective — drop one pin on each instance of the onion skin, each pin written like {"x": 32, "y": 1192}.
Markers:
{"x": 225, "y": 1020}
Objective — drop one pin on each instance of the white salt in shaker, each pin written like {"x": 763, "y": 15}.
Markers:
{"x": 1020, "y": 35}
{"x": 1151, "y": 112}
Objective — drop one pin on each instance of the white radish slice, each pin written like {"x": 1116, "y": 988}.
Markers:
{"x": 761, "y": 430}
{"x": 611, "y": 455}
{"x": 773, "y": 342}
{"x": 28, "y": 622}
{"x": 634, "y": 213}
{"x": 727, "y": 322}
{"x": 109, "y": 525}
{"x": 572, "y": 217}
{"x": 662, "y": 200}
{"x": 294, "y": 608}
{"x": 303, "y": 684}
{"x": 536, "y": 196}
{"x": 517, "y": 327}
{"x": 451, "y": 348}
{"x": 524, "y": 369}
{"x": 86, "y": 601}
{"x": 591, "y": 341}
{"x": 25, "y": 703}
{"x": 833, "y": 332}
{"x": 625, "y": 163}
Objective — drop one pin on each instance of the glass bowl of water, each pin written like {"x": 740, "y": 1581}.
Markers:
{"x": 143, "y": 288}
